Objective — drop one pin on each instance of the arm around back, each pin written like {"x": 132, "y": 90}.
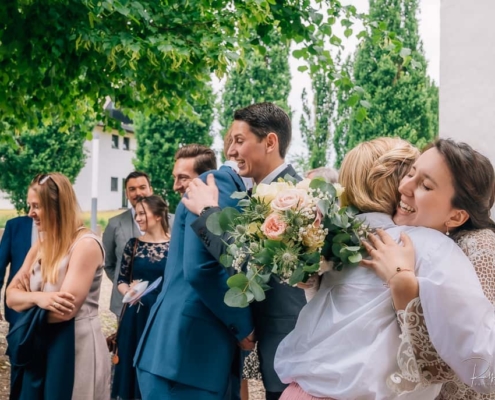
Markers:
{"x": 207, "y": 276}
{"x": 5, "y": 252}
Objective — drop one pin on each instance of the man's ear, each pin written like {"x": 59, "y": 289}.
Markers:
{"x": 457, "y": 218}
{"x": 271, "y": 142}
{"x": 151, "y": 189}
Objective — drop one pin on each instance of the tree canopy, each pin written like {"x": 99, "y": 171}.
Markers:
{"x": 400, "y": 98}
{"x": 263, "y": 78}
{"x": 159, "y": 138}
{"x": 61, "y": 58}
{"x": 40, "y": 151}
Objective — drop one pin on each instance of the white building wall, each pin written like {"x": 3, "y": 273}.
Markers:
{"x": 467, "y": 73}
{"x": 116, "y": 163}
{"x": 112, "y": 163}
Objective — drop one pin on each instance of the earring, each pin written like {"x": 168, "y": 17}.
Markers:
{"x": 447, "y": 233}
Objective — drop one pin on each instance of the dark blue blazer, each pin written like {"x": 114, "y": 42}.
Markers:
{"x": 191, "y": 335}
{"x": 42, "y": 357}
{"x": 14, "y": 246}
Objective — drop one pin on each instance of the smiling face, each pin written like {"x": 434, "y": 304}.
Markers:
{"x": 35, "y": 210}
{"x": 426, "y": 194}
{"x": 136, "y": 188}
{"x": 145, "y": 219}
{"x": 256, "y": 157}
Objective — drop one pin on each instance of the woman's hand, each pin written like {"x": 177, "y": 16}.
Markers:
{"x": 23, "y": 283}
{"x": 60, "y": 303}
{"x": 388, "y": 258}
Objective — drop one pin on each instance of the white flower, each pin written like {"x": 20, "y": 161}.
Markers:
{"x": 267, "y": 193}
{"x": 339, "y": 188}
{"x": 304, "y": 184}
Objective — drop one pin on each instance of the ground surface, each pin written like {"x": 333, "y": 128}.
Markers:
{"x": 108, "y": 324}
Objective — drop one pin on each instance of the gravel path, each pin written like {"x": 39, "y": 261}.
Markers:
{"x": 108, "y": 322}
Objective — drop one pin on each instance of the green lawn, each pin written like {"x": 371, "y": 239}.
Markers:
{"x": 102, "y": 217}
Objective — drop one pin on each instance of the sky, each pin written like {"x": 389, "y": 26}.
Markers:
{"x": 429, "y": 30}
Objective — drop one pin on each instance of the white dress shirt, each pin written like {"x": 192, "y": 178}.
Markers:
{"x": 345, "y": 343}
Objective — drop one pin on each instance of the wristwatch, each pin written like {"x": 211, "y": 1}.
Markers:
{"x": 205, "y": 209}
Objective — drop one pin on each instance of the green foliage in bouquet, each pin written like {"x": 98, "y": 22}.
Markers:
{"x": 284, "y": 229}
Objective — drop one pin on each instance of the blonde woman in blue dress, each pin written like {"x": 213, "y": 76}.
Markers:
{"x": 62, "y": 274}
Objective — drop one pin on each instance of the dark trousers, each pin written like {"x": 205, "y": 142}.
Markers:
{"x": 273, "y": 395}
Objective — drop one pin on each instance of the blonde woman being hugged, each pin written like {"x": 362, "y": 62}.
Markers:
{"x": 62, "y": 275}
{"x": 144, "y": 259}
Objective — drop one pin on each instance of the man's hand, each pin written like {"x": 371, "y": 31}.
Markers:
{"x": 248, "y": 343}
{"x": 200, "y": 195}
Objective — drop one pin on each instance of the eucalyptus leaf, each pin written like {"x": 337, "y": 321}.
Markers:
{"x": 235, "y": 297}
{"x": 213, "y": 224}
{"x": 238, "y": 195}
{"x": 355, "y": 258}
{"x": 226, "y": 260}
{"x": 297, "y": 276}
{"x": 238, "y": 280}
{"x": 256, "y": 289}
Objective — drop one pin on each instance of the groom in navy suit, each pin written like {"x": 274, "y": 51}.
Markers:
{"x": 261, "y": 135}
{"x": 14, "y": 246}
{"x": 190, "y": 346}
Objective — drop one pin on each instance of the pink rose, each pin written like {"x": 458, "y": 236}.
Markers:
{"x": 274, "y": 227}
{"x": 290, "y": 199}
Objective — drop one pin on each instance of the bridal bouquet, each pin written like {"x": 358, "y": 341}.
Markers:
{"x": 284, "y": 229}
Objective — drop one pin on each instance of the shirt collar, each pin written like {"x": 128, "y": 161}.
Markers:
{"x": 276, "y": 172}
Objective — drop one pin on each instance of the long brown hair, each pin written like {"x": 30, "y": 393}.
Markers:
{"x": 158, "y": 208}
{"x": 61, "y": 220}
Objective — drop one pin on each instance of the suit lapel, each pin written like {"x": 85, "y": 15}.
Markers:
{"x": 128, "y": 226}
{"x": 288, "y": 171}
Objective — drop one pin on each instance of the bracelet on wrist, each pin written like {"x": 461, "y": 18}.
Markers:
{"x": 398, "y": 271}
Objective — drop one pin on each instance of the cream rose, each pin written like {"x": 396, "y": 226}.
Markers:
{"x": 339, "y": 188}
{"x": 304, "y": 184}
{"x": 274, "y": 227}
{"x": 294, "y": 199}
{"x": 265, "y": 193}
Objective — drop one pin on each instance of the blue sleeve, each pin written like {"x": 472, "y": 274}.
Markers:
{"x": 207, "y": 276}
{"x": 5, "y": 251}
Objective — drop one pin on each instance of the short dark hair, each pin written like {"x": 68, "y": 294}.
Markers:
{"x": 473, "y": 178}
{"x": 137, "y": 174}
{"x": 204, "y": 157}
{"x": 264, "y": 118}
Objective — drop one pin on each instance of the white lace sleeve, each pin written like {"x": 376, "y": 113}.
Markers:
{"x": 419, "y": 363}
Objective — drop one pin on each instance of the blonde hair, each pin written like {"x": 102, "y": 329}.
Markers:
{"x": 227, "y": 142}
{"x": 61, "y": 220}
{"x": 371, "y": 173}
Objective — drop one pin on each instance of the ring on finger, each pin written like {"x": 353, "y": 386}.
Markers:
{"x": 55, "y": 304}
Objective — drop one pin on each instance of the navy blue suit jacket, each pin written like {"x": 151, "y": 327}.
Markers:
{"x": 14, "y": 246}
{"x": 191, "y": 335}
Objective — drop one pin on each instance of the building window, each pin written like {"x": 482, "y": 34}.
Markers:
{"x": 114, "y": 184}
{"x": 126, "y": 145}
{"x": 115, "y": 141}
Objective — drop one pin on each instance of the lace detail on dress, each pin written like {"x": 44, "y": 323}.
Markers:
{"x": 419, "y": 363}
{"x": 153, "y": 252}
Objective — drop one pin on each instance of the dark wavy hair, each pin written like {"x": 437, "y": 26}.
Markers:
{"x": 473, "y": 178}
{"x": 158, "y": 208}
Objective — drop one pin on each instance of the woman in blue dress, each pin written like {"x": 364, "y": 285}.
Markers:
{"x": 148, "y": 264}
